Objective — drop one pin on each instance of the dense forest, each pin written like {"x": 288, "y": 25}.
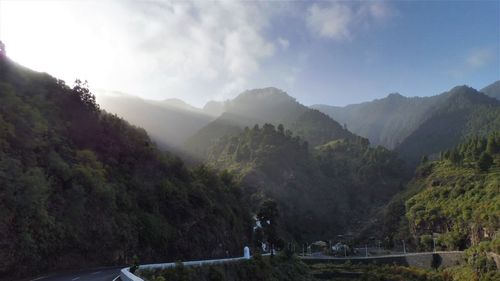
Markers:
{"x": 460, "y": 197}
{"x": 455, "y": 199}
{"x": 79, "y": 186}
{"x": 322, "y": 191}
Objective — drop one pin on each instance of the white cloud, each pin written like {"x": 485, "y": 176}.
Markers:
{"x": 380, "y": 10}
{"x": 284, "y": 43}
{"x": 340, "y": 20}
{"x": 330, "y": 22}
{"x": 156, "y": 48}
{"x": 480, "y": 57}
{"x": 473, "y": 61}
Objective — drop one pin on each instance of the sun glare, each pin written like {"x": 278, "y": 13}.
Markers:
{"x": 46, "y": 36}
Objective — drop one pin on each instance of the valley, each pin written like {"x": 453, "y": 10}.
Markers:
{"x": 311, "y": 180}
{"x": 249, "y": 140}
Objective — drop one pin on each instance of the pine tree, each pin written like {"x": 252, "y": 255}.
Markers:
{"x": 492, "y": 147}
{"x": 485, "y": 162}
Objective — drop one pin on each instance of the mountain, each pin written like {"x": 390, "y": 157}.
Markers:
{"x": 170, "y": 122}
{"x": 180, "y": 104}
{"x": 420, "y": 126}
{"x": 80, "y": 187}
{"x": 321, "y": 192}
{"x": 464, "y": 113}
{"x": 386, "y": 121}
{"x": 214, "y": 108}
{"x": 454, "y": 198}
{"x": 269, "y": 105}
{"x": 492, "y": 90}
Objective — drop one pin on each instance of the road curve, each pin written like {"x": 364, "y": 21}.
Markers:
{"x": 96, "y": 274}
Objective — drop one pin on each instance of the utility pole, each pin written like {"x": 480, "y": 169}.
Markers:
{"x": 366, "y": 250}
{"x": 345, "y": 251}
{"x": 434, "y": 243}
{"x": 404, "y": 247}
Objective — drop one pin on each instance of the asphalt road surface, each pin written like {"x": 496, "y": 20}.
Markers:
{"x": 97, "y": 274}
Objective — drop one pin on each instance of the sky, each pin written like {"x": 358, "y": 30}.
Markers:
{"x": 329, "y": 52}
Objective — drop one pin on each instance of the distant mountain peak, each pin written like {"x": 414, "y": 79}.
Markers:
{"x": 178, "y": 103}
{"x": 492, "y": 90}
{"x": 395, "y": 96}
{"x": 175, "y": 101}
{"x": 264, "y": 93}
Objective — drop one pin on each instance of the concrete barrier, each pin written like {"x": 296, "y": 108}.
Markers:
{"x": 126, "y": 275}
{"x": 421, "y": 260}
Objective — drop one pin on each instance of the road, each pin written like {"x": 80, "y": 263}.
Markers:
{"x": 318, "y": 255}
{"x": 97, "y": 274}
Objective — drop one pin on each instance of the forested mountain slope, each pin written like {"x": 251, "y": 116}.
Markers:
{"x": 455, "y": 198}
{"x": 421, "y": 126}
{"x": 460, "y": 195}
{"x": 321, "y": 191}
{"x": 81, "y": 187}
{"x": 387, "y": 121}
{"x": 273, "y": 106}
{"x": 465, "y": 113}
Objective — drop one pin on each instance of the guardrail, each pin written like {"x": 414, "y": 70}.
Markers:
{"x": 421, "y": 260}
{"x": 126, "y": 275}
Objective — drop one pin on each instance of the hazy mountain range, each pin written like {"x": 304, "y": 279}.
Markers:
{"x": 170, "y": 122}
{"x": 417, "y": 126}
{"x": 414, "y": 126}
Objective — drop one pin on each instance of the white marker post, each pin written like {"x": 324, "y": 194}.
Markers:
{"x": 246, "y": 253}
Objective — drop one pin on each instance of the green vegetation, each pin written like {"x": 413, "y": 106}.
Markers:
{"x": 278, "y": 268}
{"x": 457, "y": 197}
{"x": 454, "y": 200}
{"x": 320, "y": 192}
{"x": 282, "y": 268}
{"x": 267, "y": 106}
{"x": 465, "y": 114}
{"x": 460, "y": 196}
{"x": 82, "y": 187}
{"x": 375, "y": 272}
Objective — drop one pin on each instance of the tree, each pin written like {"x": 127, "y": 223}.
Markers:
{"x": 455, "y": 157}
{"x": 268, "y": 215}
{"x": 81, "y": 89}
{"x": 485, "y": 162}
{"x": 425, "y": 159}
{"x": 281, "y": 129}
{"x": 492, "y": 146}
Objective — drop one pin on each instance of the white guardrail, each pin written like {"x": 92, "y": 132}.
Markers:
{"x": 126, "y": 275}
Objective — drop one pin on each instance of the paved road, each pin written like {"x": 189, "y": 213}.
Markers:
{"x": 97, "y": 274}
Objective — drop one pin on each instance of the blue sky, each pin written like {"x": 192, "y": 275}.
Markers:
{"x": 420, "y": 49}
{"x": 331, "y": 52}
